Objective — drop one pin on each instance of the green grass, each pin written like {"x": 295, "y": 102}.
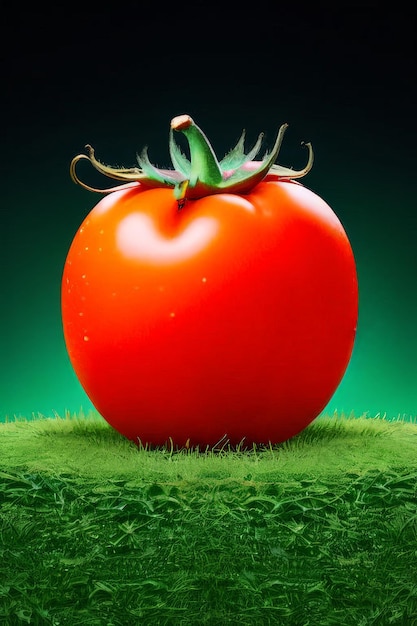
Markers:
{"x": 318, "y": 531}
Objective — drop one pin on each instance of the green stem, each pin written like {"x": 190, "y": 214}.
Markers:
{"x": 205, "y": 167}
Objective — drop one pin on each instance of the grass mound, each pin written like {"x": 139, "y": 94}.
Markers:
{"x": 320, "y": 530}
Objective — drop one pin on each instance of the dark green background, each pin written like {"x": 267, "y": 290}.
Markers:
{"x": 343, "y": 79}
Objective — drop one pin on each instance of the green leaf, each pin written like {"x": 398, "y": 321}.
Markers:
{"x": 237, "y": 157}
{"x": 179, "y": 160}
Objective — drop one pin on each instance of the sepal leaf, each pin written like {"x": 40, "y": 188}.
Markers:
{"x": 202, "y": 174}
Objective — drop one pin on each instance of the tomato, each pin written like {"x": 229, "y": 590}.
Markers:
{"x": 225, "y": 317}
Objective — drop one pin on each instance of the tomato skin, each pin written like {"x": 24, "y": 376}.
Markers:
{"x": 235, "y": 316}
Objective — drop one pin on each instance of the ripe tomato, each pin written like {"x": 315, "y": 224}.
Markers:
{"x": 231, "y": 314}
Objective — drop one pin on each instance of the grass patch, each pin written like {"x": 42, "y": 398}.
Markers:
{"x": 320, "y": 530}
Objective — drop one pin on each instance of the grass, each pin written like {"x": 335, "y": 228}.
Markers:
{"x": 318, "y": 531}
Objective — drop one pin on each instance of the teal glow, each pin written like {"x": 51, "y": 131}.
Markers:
{"x": 339, "y": 88}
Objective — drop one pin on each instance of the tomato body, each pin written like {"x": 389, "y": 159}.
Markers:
{"x": 234, "y": 316}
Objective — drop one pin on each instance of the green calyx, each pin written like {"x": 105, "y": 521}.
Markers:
{"x": 202, "y": 174}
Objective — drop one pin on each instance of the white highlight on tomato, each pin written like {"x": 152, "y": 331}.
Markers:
{"x": 138, "y": 238}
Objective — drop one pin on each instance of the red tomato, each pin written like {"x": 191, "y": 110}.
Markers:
{"x": 234, "y": 317}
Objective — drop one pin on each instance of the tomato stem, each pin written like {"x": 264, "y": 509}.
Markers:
{"x": 203, "y": 174}
{"x": 205, "y": 167}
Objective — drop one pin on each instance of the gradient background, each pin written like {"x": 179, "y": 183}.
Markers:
{"x": 343, "y": 79}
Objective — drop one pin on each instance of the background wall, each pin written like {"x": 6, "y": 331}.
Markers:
{"x": 343, "y": 79}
